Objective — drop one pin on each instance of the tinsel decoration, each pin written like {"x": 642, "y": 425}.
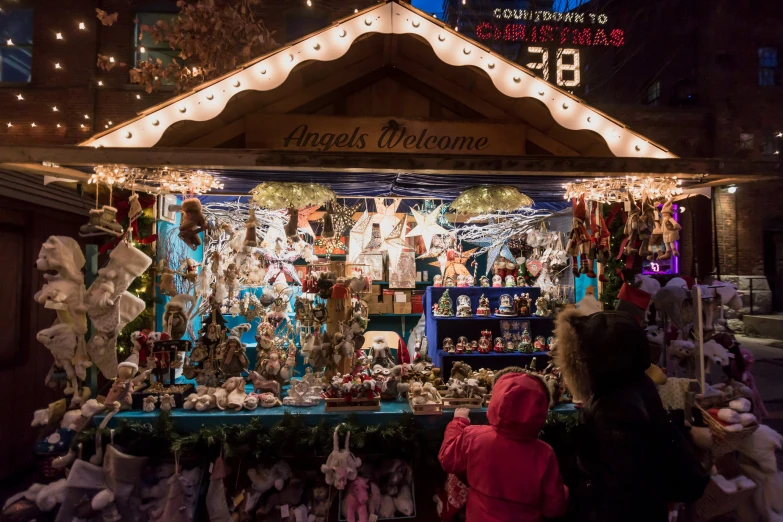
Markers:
{"x": 490, "y": 198}
{"x": 611, "y": 190}
{"x": 277, "y": 195}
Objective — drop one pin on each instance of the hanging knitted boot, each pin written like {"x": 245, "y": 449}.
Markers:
{"x": 591, "y": 263}
{"x": 108, "y": 221}
{"x": 574, "y": 266}
{"x": 90, "y": 228}
{"x": 583, "y": 264}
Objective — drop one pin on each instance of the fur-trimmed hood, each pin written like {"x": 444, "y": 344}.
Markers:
{"x": 605, "y": 350}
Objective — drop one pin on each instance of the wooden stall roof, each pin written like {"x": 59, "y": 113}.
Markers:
{"x": 386, "y": 47}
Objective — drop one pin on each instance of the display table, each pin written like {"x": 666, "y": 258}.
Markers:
{"x": 191, "y": 420}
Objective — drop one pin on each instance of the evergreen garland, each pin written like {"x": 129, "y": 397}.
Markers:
{"x": 291, "y": 436}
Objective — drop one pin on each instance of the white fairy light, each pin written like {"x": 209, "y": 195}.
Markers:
{"x": 19, "y": 97}
{"x": 9, "y": 124}
{"x": 59, "y": 36}
{"x": 9, "y": 42}
{"x": 100, "y": 83}
{"x": 609, "y": 190}
{"x": 158, "y": 181}
{"x": 82, "y": 27}
{"x": 57, "y": 65}
{"x": 33, "y": 124}
{"x": 54, "y": 109}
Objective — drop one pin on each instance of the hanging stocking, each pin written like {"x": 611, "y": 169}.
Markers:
{"x": 217, "y": 505}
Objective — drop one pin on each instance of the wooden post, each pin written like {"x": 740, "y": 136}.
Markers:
{"x": 700, "y": 331}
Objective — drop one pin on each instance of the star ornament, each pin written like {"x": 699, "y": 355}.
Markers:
{"x": 395, "y": 243}
{"x": 330, "y": 244}
{"x": 385, "y": 215}
{"x": 303, "y": 224}
{"x": 359, "y": 236}
{"x": 281, "y": 263}
{"x": 342, "y": 217}
{"x": 427, "y": 226}
{"x": 495, "y": 248}
{"x": 452, "y": 263}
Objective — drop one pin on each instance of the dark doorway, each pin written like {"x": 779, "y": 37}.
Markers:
{"x": 773, "y": 264}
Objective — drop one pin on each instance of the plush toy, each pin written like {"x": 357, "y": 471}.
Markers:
{"x": 319, "y": 503}
{"x": 167, "y": 402}
{"x": 290, "y": 495}
{"x": 233, "y": 357}
{"x": 387, "y": 509}
{"x": 682, "y": 351}
{"x": 671, "y": 231}
{"x": 64, "y": 290}
{"x": 192, "y": 222}
{"x": 235, "y": 386}
{"x": 381, "y": 353}
{"x": 264, "y": 479}
{"x": 578, "y": 240}
{"x": 403, "y": 502}
{"x": 61, "y": 340}
{"x": 716, "y": 353}
{"x": 632, "y": 224}
{"x": 177, "y": 316}
{"x": 356, "y": 500}
{"x": 342, "y": 465}
{"x": 250, "y": 229}
{"x": 669, "y": 301}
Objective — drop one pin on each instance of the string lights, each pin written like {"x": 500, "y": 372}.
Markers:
{"x": 157, "y": 181}
{"x": 610, "y": 190}
{"x": 270, "y": 71}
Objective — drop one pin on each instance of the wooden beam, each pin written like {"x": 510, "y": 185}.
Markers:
{"x": 548, "y": 143}
{"x": 218, "y": 136}
{"x": 270, "y": 161}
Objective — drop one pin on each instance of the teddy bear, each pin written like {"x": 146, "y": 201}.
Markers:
{"x": 290, "y": 495}
{"x": 167, "y": 402}
{"x": 319, "y": 503}
{"x": 149, "y": 403}
{"x": 264, "y": 479}
{"x": 192, "y": 223}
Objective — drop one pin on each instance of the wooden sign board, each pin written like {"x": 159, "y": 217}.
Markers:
{"x": 305, "y": 132}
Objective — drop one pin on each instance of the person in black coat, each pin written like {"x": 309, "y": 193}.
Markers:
{"x": 634, "y": 460}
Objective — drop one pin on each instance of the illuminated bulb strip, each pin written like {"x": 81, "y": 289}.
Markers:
{"x": 331, "y": 44}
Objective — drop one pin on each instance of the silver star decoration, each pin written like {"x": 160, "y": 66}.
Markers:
{"x": 494, "y": 248}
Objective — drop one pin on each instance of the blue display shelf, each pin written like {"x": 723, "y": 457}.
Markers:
{"x": 490, "y": 361}
{"x": 437, "y": 328}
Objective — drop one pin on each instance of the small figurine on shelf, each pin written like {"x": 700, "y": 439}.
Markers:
{"x": 448, "y": 345}
{"x": 526, "y": 343}
{"x": 483, "y": 309}
{"x": 542, "y": 306}
{"x": 381, "y": 353}
{"x": 540, "y": 344}
{"x": 472, "y": 347}
{"x": 522, "y": 304}
{"x": 506, "y": 307}
{"x": 461, "y": 281}
{"x": 483, "y": 345}
{"x": 462, "y": 344}
{"x": 444, "y": 308}
{"x": 470, "y": 280}
{"x": 484, "y": 281}
{"x": 437, "y": 281}
{"x": 232, "y": 354}
{"x": 448, "y": 281}
{"x": 500, "y": 346}
{"x": 497, "y": 281}
{"x": 510, "y": 346}
{"x": 463, "y": 306}
{"x": 510, "y": 281}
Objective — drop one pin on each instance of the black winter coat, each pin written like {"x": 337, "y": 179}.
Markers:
{"x": 630, "y": 453}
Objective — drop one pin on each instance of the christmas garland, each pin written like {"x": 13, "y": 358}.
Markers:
{"x": 292, "y": 436}
{"x": 615, "y": 219}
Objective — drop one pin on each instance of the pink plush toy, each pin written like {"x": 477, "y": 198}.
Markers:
{"x": 356, "y": 500}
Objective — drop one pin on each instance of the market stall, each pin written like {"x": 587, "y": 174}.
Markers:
{"x": 399, "y": 226}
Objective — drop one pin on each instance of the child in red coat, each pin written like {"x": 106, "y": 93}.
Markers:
{"x": 511, "y": 475}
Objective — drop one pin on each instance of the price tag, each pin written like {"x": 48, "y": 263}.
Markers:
{"x": 239, "y": 498}
{"x": 284, "y": 511}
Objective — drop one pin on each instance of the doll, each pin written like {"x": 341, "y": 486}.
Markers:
{"x": 175, "y": 318}
{"x": 250, "y": 229}
{"x": 127, "y": 382}
{"x": 381, "y": 353}
{"x": 578, "y": 241}
{"x": 632, "y": 229}
{"x": 234, "y": 358}
{"x": 193, "y": 222}
{"x": 671, "y": 231}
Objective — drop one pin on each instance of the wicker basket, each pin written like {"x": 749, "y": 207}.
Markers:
{"x": 723, "y": 441}
{"x": 717, "y": 502}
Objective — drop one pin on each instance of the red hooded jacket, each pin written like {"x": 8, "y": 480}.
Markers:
{"x": 511, "y": 474}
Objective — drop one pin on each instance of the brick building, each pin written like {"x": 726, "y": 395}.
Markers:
{"x": 52, "y": 62}
{"x": 702, "y": 78}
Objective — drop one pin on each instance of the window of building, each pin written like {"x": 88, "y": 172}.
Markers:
{"x": 768, "y": 64}
{"x": 146, "y": 47}
{"x": 771, "y": 143}
{"x": 16, "y": 45}
{"x": 653, "y": 93}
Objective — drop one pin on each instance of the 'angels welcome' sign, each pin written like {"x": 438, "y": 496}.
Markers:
{"x": 300, "y": 132}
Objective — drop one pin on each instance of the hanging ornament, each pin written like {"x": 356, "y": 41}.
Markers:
{"x": 395, "y": 243}
{"x": 330, "y": 244}
{"x": 342, "y": 217}
{"x": 328, "y": 231}
{"x": 280, "y": 263}
{"x": 452, "y": 263}
{"x": 385, "y": 215}
{"x": 495, "y": 247}
{"x": 492, "y": 198}
{"x": 427, "y": 226}
{"x": 360, "y": 236}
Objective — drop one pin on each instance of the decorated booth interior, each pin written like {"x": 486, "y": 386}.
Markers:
{"x": 289, "y": 344}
